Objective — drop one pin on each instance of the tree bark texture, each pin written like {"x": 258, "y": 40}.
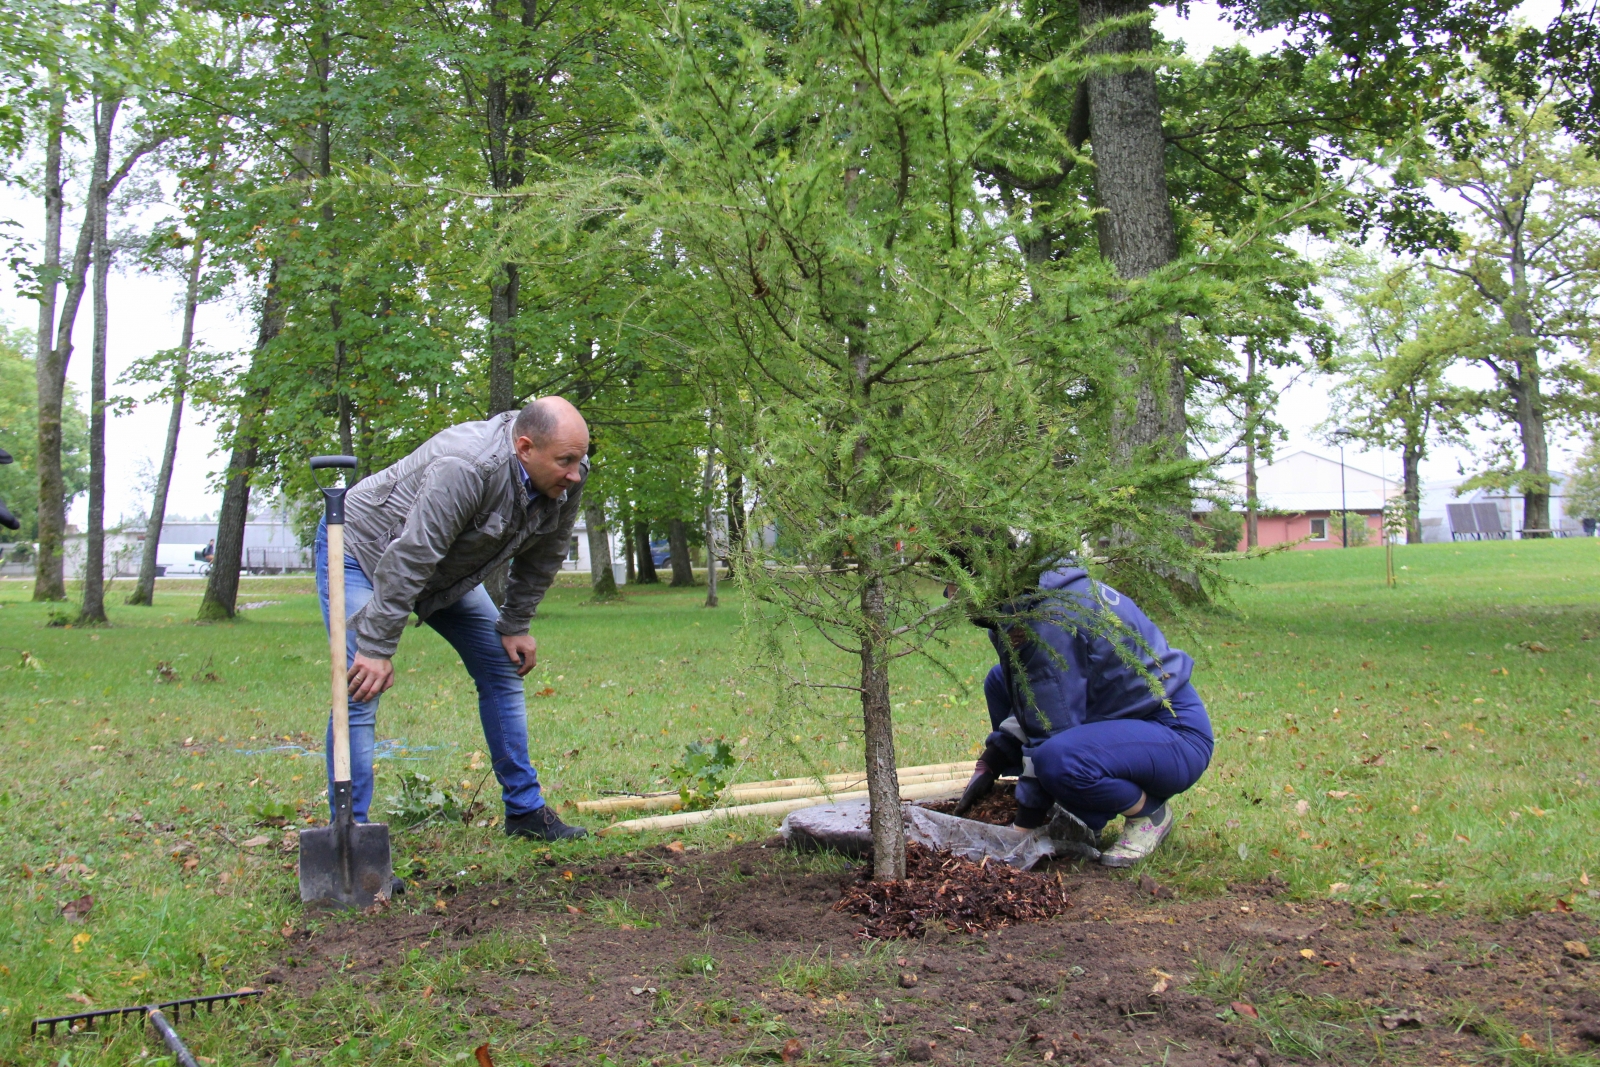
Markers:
{"x": 222, "y": 585}
{"x": 49, "y": 583}
{"x": 707, "y": 484}
{"x": 601, "y": 579}
{"x": 678, "y": 550}
{"x": 1411, "y": 480}
{"x": 647, "y": 562}
{"x": 883, "y": 781}
{"x": 93, "y": 611}
{"x": 630, "y": 572}
{"x": 144, "y": 591}
{"x": 1136, "y": 230}
{"x": 502, "y": 339}
{"x": 736, "y": 525}
{"x": 1528, "y": 399}
{"x": 1252, "y": 535}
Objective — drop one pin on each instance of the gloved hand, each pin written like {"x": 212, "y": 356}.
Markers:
{"x": 1002, "y": 753}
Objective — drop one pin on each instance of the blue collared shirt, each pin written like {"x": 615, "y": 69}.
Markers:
{"x": 527, "y": 483}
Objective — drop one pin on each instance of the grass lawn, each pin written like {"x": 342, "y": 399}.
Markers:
{"x": 1428, "y": 747}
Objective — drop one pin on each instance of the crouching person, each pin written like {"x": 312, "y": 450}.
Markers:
{"x": 1093, "y": 710}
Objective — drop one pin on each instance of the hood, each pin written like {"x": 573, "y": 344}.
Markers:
{"x": 1062, "y": 577}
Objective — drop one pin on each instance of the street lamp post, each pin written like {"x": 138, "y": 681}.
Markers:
{"x": 1344, "y": 507}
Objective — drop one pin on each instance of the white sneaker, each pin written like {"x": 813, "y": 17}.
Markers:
{"x": 1140, "y": 836}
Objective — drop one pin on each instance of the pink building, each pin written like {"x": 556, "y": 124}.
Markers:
{"x": 1301, "y": 495}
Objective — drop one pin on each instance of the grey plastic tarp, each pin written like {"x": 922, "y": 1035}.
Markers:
{"x": 844, "y": 827}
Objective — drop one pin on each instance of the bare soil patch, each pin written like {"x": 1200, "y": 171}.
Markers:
{"x": 743, "y": 956}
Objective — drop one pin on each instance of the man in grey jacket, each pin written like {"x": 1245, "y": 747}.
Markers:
{"x": 421, "y": 536}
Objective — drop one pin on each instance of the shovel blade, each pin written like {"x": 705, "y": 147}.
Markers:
{"x": 348, "y": 866}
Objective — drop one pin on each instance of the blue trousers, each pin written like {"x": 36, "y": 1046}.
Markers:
{"x": 1098, "y": 770}
{"x": 469, "y": 626}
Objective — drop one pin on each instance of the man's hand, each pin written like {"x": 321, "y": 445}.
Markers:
{"x": 369, "y": 676}
{"x": 523, "y": 651}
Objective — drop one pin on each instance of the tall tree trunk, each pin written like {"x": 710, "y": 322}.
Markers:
{"x": 1529, "y": 400}
{"x": 736, "y": 531}
{"x": 48, "y": 582}
{"x": 678, "y": 551}
{"x": 1136, "y": 231}
{"x": 624, "y": 525}
{"x": 1252, "y": 535}
{"x": 503, "y": 290}
{"x": 647, "y": 562}
{"x": 883, "y": 780}
{"x": 707, "y": 484}
{"x": 601, "y": 579}
{"x": 144, "y": 592}
{"x": 1411, "y": 479}
{"x": 93, "y": 611}
{"x": 222, "y": 585}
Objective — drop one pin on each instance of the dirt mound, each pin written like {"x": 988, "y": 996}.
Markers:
{"x": 998, "y": 808}
{"x": 941, "y": 888}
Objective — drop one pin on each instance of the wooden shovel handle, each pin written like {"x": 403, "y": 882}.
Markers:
{"x": 337, "y": 654}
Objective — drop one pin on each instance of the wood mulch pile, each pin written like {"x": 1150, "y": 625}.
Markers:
{"x": 962, "y": 895}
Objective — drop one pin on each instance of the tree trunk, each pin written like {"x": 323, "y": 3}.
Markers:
{"x": 1252, "y": 535}
{"x": 1410, "y": 474}
{"x": 736, "y": 531}
{"x": 502, "y": 339}
{"x": 678, "y": 549}
{"x": 601, "y": 580}
{"x": 222, "y": 585}
{"x": 93, "y": 611}
{"x": 48, "y": 583}
{"x": 647, "y": 562}
{"x": 630, "y": 572}
{"x": 1529, "y": 400}
{"x": 707, "y": 483}
{"x": 144, "y": 591}
{"x": 1136, "y": 231}
{"x": 883, "y": 782}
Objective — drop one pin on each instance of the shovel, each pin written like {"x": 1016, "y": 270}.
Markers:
{"x": 346, "y": 863}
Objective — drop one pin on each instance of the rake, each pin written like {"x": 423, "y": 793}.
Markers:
{"x": 156, "y": 1013}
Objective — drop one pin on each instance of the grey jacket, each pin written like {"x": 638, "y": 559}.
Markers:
{"x": 428, "y": 529}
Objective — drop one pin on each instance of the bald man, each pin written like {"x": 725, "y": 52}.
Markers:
{"x": 421, "y": 536}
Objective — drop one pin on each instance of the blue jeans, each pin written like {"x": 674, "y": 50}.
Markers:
{"x": 469, "y": 626}
{"x": 1098, "y": 770}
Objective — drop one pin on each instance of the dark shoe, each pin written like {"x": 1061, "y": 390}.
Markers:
{"x": 542, "y": 824}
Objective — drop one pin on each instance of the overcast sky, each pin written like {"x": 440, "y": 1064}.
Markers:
{"x": 145, "y": 316}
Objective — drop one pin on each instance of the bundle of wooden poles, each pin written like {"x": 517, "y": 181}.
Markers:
{"x": 777, "y": 797}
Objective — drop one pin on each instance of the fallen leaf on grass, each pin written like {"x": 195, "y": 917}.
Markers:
{"x": 1407, "y": 1019}
{"x": 482, "y": 1052}
{"x": 573, "y": 909}
{"x": 1248, "y": 1010}
{"x": 75, "y": 911}
{"x": 1338, "y": 794}
{"x": 1576, "y": 949}
{"x": 1527, "y": 1041}
{"x": 256, "y": 842}
{"x": 675, "y": 846}
{"x": 1163, "y": 983}
{"x": 792, "y": 1050}
{"x": 1307, "y": 954}
{"x": 80, "y": 999}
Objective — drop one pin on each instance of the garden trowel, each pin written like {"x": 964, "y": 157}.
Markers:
{"x": 345, "y": 863}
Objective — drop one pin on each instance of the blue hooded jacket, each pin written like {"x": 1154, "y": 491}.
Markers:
{"x": 1074, "y": 674}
